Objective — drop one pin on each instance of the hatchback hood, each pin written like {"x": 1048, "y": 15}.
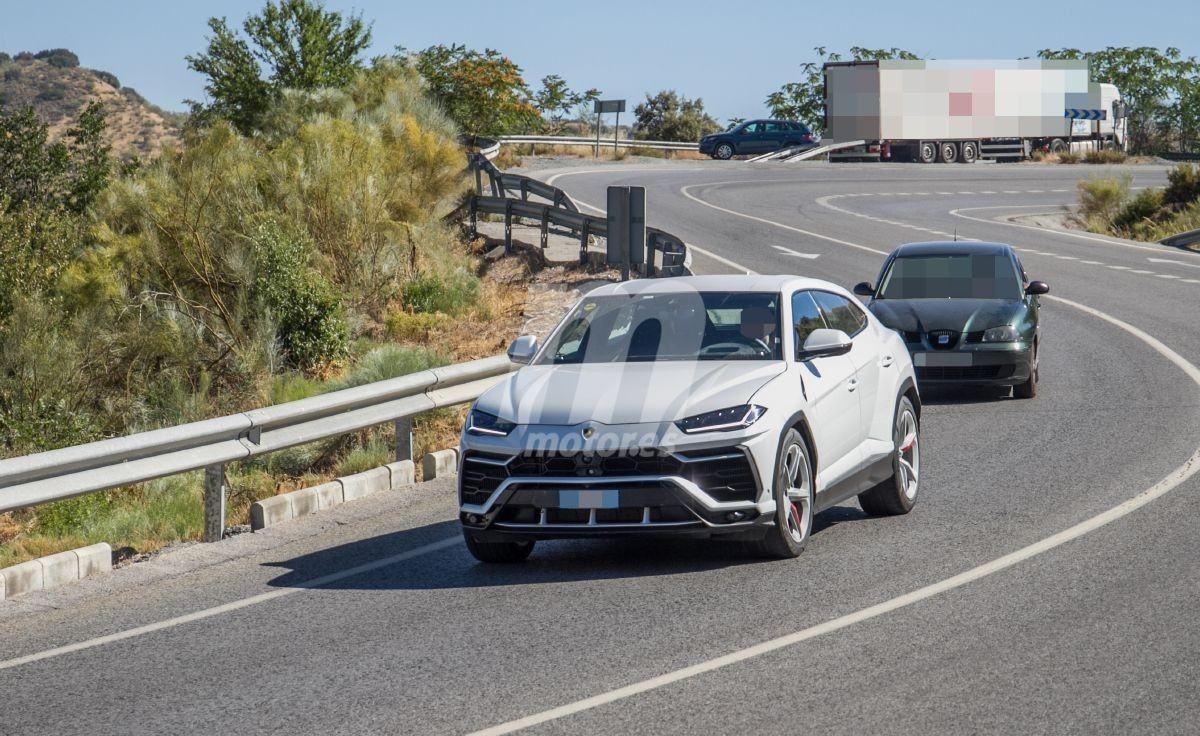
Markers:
{"x": 625, "y": 393}
{"x": 960, "y": 315}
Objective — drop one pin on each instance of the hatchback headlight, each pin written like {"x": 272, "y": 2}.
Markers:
{"x": 490, "y": 425}
{"x": 1004, "y": 333}
{"x": 722, "y": 420}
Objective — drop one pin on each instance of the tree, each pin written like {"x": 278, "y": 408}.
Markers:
{"x": 297, "y": 43}
{"x": 1157, "y": 86}
{"x": 668, "y": 116}
{"x": 483, "y": 92}
{"x": 66, "y": 175}
{"x": 805, "y": 100}
{"x": 555, "y": 100}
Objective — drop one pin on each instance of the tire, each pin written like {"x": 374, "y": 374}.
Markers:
{"x": 927, "y": 152}
{"x": 789, "y": 534}
{"x": 724, "y": 151}
{"x": 898, "y": 494}
{"x": 970, "y": 152}
{"x": 1028, "y": 390}
{"x": 1058, "y": 145}
{"x": 948, "y": 152}
{"x": 497, "y": 552}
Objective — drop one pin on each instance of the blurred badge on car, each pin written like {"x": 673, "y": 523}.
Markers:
{"x": 609, "y": 499}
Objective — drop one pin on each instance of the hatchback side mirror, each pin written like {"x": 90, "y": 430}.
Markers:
{"x": 864, "y": 289}
{"x": 523, "y": 349}
{"x": 1037, "y": 287}
{"x": 824, "y": 343}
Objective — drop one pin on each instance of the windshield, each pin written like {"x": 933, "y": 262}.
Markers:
{"x": 960, "y": 275}
{"x": 713, "y": 325}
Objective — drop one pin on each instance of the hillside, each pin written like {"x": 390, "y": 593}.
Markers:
{"x": 58, "y": 89}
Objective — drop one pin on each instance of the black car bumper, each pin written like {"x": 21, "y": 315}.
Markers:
{"x": 1005, "y": 365}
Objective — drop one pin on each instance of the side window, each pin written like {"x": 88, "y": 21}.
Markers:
{"x": 751, "y": 128}
{"x": 773, "y": 127}
{"x": 841, "y": 313}
{"x": 806, "y": 316}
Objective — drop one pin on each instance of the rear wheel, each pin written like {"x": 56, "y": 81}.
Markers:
{"x": 793, "y": 501}
{"x": 970, "y": 152}
{"x": 724, "y": 151}
{"x": 499, "y": 552}
{"x": 948, "y": 152}
{"x": 927, "y": 152}
{"x": 898, "y": 494}
{"x": 1058, "y": 145}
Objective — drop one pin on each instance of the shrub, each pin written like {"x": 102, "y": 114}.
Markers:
{"x": 293, "y": 387}
{"x": 1105, "y": 156}
{"x": 1101, "y": 199}
{"x": 1068, "y": 157}
{"x": 61, "y": 58}
{"x": 449, "y": 293}
{"x": 311, "y": 326}
{"x": 414, "y": 326}
{"x": 1183, "y": 186}
{"x": 1141, "y": 209}
{"x": 389, "y": 361}
{"x": 108, "y": 78}
{"x": 4, "y": 58}
{"x": 373, "y": 454}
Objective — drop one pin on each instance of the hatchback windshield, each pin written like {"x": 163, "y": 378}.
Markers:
{"x": 716, "y": 325}
{"x": 960, "y": 275}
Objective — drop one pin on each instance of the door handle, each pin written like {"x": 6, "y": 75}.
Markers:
{"x": 852, "y": 384}
{"x": 887, "y": 361}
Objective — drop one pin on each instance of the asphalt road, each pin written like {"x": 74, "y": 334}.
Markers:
{"x": 1097, "y": 634}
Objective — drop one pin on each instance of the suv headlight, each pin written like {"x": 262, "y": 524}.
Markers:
{"x": 1004, "y": 333}
{"x": 482, "y": 423}
{"x": 722, "y": 420}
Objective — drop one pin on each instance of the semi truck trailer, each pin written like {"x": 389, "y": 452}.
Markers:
{"x": 965, "y": 111}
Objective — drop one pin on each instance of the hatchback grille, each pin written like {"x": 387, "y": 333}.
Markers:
{"x": 967, "y": 373}
{"x": 935, "y": 339}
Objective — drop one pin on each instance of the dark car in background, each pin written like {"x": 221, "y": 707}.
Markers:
{"x": 757, "y": 136}
{"x": 967, "y": 312}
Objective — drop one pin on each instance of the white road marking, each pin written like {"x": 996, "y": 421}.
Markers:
{"x": 791, "y": 252}
{"x": 1168, "y": 276}
{"x": 1134, "y": 270}
{"x": 1177, "y": 263}
{"x": 1093, "y": 263}
{"x": 1189, "y": 468}
{"x": 1066, "y": 258}
{"x": 1191, "y": 281}
{"x": 1122, "y": 268}
{"x": 234, "y": 605}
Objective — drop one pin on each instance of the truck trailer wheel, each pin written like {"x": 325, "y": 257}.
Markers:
{"x": 1058, "y": 145}
{"x": 927, "y": 152}
{"x": 970, "y": 152}
{"x": 948, "y": 152}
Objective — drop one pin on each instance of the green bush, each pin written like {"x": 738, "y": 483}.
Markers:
{"x": 61, "y": 58}
{"x": 67, "y": 517}
{"x": 414, "y": 326}
{"x": 52, "y": 94}
{"x": 311, "y": 326}
{"x": 1183, "y": 186}
{"x": 449, "y": 293}
{"x": 1145, "y": 206}
{"x": 1104, "y": 156}
{"x": 389, "y": 361}
{"x": 1101, "y": 199}
{"x": 108, "y": 78}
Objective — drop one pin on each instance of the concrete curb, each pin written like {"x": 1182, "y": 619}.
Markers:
{"x": 54, "y": 570}
{"x": 439, "y": 464}
{"x": 296, "y": 504}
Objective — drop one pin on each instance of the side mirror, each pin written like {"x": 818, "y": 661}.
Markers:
{"x": 523, "y": 349}
{"x": 824, "y": 343}
{"x": 864, "y": 289}
{"x": 1037, "y": 287}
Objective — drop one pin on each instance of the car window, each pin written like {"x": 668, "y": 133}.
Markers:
{"x": 949, "y": 276}
{"x": 840, "y": 313}
{"x": 773, "y": 127}
{"x": 806, "y": 317}
{"x": 750, "y": 128}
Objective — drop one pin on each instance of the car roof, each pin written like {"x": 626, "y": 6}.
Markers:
{"x": 952, "y": 247}
{"x": 725, "y": 282}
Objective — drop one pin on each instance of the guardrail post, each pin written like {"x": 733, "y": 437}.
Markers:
{"x": 524, "y": 190}
{"x": 508, "y": 226}
{"x": 651, "y": 246}
{"x": 474, "y": 218}
{"x": 583, "y": 242}
{"x": 214, "y": 503}
{"x": 545, "y": 225}
{"x": 478, "y": 179}
{"x": 404, "y": 439}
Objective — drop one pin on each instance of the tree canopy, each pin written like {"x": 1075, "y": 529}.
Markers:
{"x": 669, "y": 116}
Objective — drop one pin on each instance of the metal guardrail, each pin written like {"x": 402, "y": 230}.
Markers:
{"x": 559, "y": 210}
{"x": 574, "y": 140}
{"x": 210, "y": 444}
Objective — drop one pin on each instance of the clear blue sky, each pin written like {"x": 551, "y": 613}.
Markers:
{"x": 731, "y": 54}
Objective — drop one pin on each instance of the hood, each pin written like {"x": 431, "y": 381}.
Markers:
{"x": 625, "y": 393}
{"x": 961, "y": 315}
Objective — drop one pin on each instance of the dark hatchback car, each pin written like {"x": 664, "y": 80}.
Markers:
{"x": 757, "y": 136}
{"x": 966, "y": 310}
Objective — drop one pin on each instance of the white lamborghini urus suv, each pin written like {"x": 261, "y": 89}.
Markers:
{"x": 731, "y": 406}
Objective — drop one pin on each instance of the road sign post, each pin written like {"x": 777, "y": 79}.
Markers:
{"x": 627, "y": 229}
{"x": 602, "y": 106}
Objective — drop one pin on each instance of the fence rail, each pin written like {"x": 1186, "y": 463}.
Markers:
{"x": 578, "y": 140}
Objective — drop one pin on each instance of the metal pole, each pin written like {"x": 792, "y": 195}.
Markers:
{"x": 616, "y": 133}
{"x": 404, "y": 439}
{"x": 598, "y": 118}
{"x": 508, "y": 226}
{"x": 214, "y": 503}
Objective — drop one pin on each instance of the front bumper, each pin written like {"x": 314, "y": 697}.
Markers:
{"x": 996, "y": 364}
{"x": 714, "y": 489}
{"x": 708, "y": 147}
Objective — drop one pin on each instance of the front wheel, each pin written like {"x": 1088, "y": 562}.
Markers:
{"x": 898, "y": 494}
{"x": 793, "y": 490}
{"x": 1028, "y": 390}
{"x": 724, "y": 151}
{"x": 498, "y": 552}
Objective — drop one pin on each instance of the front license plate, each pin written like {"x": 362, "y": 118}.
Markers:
{"x": 589, "y": 499}
{"x": 943, "y": 360}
